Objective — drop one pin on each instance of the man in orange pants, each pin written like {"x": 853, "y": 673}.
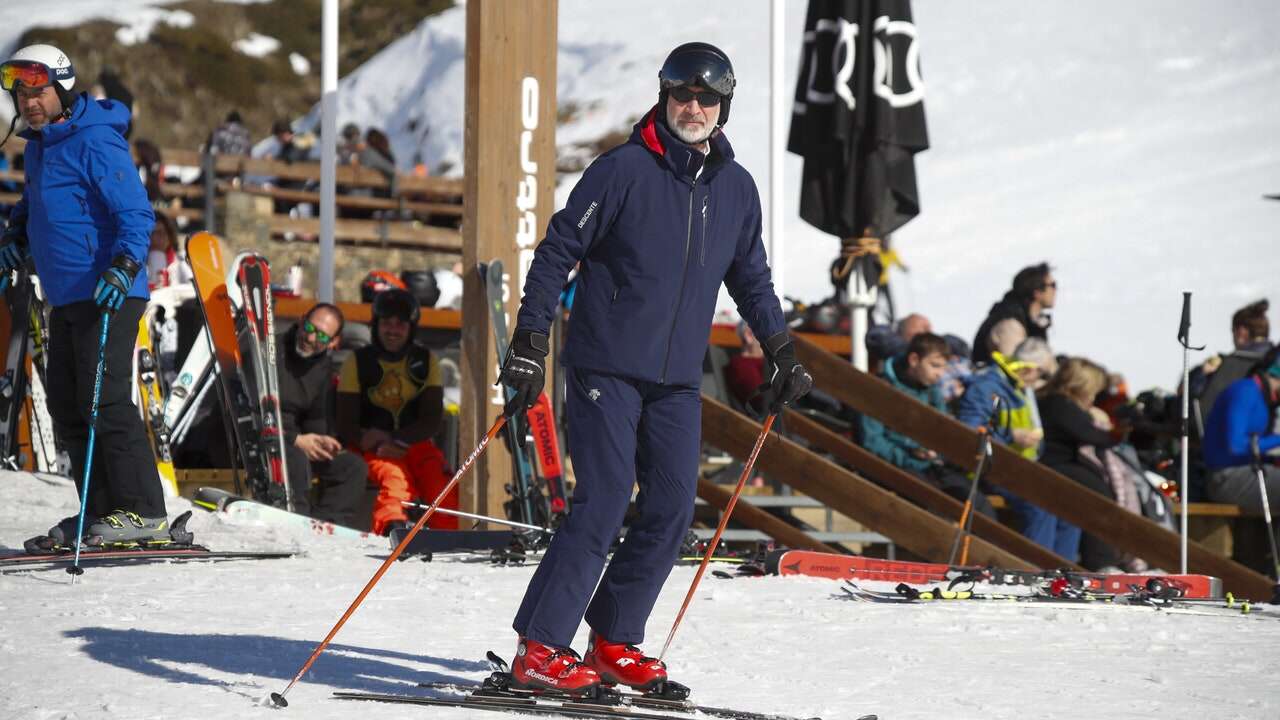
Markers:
{"x": 390, "y": 405}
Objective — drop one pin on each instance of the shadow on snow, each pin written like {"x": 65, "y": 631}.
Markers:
{"x": 341, "y": 666}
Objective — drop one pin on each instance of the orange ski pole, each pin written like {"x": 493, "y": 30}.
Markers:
{"x": 277, "y": 699}
{"x": 724, "y": 521}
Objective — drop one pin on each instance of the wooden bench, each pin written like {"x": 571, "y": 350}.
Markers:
{"x": 1211, "y": 524}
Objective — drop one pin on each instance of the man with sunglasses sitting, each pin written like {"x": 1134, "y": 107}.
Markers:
{"x": 306, "y": 395}
{"x": 85, "y": 221}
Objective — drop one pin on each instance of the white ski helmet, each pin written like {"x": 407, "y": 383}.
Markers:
{"x": 61, "y": 75}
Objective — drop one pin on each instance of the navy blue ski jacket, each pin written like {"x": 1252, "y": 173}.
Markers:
{"x": 83, "y": 203}
{"x": 656, "y": 227}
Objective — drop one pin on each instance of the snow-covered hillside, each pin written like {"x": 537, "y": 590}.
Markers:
{"x": 206, "y": 641}
{"x": 1127, "y": 143}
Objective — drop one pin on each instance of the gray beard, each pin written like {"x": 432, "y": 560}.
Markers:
{"x": 297, "y": 347}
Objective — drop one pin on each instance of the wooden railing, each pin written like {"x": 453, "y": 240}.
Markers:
{"x": 907, "y": 524}
{"x": 410, "y": 220}
{"x": 1088, "y": 510}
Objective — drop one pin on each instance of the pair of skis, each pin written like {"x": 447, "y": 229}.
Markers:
{"x": 150, "y": 396}
{"x": 498, "y": 694}
{"x": 243, "y": 348}
{"x": 22, "y": 376}
{"x": 528, "y": 504}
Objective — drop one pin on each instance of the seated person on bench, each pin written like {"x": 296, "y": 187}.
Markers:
{"x": 1243, "y": 412}
{"x": 311, "y": 450}
{"x": 918, "y": 372}
{"x": 390, "y": 405}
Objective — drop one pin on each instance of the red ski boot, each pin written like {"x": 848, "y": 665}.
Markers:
{"x": 542, "y": 667}
{"x": 623, "y": 664}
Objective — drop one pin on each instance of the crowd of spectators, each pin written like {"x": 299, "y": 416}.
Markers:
{"x": 1070, "y": 414}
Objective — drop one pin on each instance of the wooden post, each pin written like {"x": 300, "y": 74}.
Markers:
{"x": 509, "y": 192}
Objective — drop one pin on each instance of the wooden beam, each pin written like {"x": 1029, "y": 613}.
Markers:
{"x": 1090, "y": 511}
{"x": 364, "y": 202}
{"x": 914, "y": 528}
{"x": 353, "y": 175}
{"x": 757, "y": 519}
{"x": 509, "y": 195}
{"x": 727, "y": 336}
{"x": 432, "y": 318}
{"x": 374, "y": 232}
{"x": 920, "y": 492}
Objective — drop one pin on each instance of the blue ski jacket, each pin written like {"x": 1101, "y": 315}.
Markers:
{"x": 83, "y": 203}
{"x": 1240, "y": 412}
{"x": 655, "y": 227}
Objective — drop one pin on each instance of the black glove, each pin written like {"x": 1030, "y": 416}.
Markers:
{"x": 523, "y": 369}
{"x": 790, "y": 381}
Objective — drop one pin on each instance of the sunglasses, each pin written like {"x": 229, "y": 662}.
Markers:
{"x": 31, "y": 74}
{"x": 321, "y": 337}
{"x": 706, "y": 98}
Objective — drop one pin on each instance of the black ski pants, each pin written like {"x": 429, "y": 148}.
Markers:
{"x": 342, "y": 485}
{"x": 124, "y": 475}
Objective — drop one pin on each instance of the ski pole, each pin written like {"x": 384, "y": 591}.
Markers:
{"x": 75, "y": 568}
{"x": 481, "y": 518}
{"x": 724, "y": 521}
{"x": 1266, "y": 506}
{"x": 277, "y": 699}
{"x": 966, "y": 515}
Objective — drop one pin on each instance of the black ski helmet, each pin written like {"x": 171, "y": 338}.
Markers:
{"x": 396, "y": 302}
{"x": 698, "y": 63}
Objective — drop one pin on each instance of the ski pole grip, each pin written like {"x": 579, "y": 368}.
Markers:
{"x": 1184, "y": 326}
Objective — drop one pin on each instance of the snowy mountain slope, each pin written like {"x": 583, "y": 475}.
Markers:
{"x": 206, "y": 641}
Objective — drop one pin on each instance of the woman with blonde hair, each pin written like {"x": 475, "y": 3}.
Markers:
{"x": 1071, "y": 423}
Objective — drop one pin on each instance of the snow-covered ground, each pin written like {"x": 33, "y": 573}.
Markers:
{"x": 207, "y": 641}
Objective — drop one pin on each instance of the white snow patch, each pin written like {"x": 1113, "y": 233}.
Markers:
{"x": 139, "y": 30}
{"x": 300, "y": 65}
{"x": 256, "y": 45}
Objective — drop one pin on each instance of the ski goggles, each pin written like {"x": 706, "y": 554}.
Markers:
{"x": 321, "y": 337}
{"x": 706, "y": 98}
{"x": 31, "y": 74}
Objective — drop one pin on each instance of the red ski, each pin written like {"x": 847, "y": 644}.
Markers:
{"x": 856, "y": 567}
{"x": 255, "y": 285}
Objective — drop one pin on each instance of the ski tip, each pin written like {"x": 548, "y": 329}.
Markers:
{"x": 275, "y": 700}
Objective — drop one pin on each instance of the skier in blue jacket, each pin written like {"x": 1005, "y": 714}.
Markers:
{"x": 85, "y": 221}
{"x": 655, "y": 225}
{"x": 1243, "y": 418}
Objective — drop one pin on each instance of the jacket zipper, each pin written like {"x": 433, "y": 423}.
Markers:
{"x": 684, "y": 271}
{"x": 702, "y": 260}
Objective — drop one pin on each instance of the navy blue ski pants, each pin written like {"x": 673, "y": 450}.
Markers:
{"x": 621, "y": 432}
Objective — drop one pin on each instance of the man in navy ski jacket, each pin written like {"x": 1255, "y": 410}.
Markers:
{"x": 85, "y": 221}
{"x": 654, "y": 226}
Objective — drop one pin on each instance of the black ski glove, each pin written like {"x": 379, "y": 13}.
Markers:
{"x": 524, "y": 369}
{"x": 790, "y": 381}
{"x": 115, "y": 283}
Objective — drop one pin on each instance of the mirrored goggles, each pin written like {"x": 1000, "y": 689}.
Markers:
{"x": 706, "y": 98}
{"x": 30, "y": 74}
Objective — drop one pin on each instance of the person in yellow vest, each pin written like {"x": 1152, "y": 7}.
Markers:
{"x": 390, "y": 405}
